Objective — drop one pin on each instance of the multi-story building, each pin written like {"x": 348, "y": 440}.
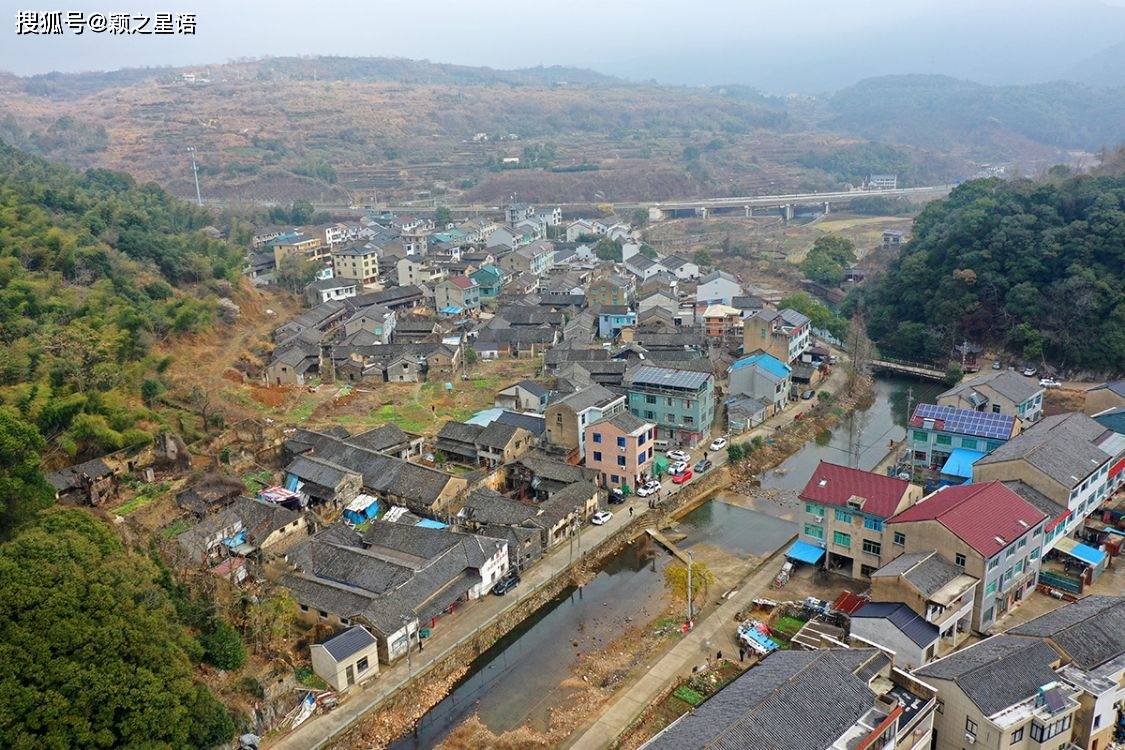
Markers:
{"x": 934, "y": 589}
{"x": 935, "y": 431}
{"x": 680, "y": 402}
{"x": 825, "y": 699}
{"x": 783, "y": 333}
{"x": 414, "y": 271}
{"x": 612, "y": 318}
{"x": 763, "y": 377}
{"x": 1066, "y": 457}
{"x": 1001, "y": 392}
{"x": 1002, "y": 693}
{"x": 490, "y": 279}
{"x": 989, "y": 532}
{"x": 567, "y": 418}
{"x": 309, "y": 247}
{"x": 610, "y": 290}
{"x": 716, "y": 288}
{"x": 457, "y": 293}
{"x": 621, "y": 449}
{"x": 358, "y": 261}
{"x": 844, "y": 514}
{"x": 723, "y": 325}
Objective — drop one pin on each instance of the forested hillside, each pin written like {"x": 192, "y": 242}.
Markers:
{"x": 1038, "y": 268}
{"x": 94, "y": 269}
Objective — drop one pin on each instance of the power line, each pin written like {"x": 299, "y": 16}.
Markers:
{"x": 195, "y": 171}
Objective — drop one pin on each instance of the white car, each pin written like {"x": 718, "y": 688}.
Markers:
{"x": 601, "y": 518}
{"x": 678, "y": 455}
{"x": 678, "y": 468}
{"x": 718, "y": 444}
{"x": 1029, "y": 372}
{"x": 1049, "y": 383}
{"x": 648, "y": 488}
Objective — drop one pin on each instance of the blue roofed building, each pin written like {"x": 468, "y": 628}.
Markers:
{"x": 763, "y": 377}
{"x": 612, "y": 318}
{"x": 680, "y": 402}
{"x": 958, "y": 469}
{"x": 935, "y": 431}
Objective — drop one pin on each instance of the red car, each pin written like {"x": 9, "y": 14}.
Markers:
{"x": 682, "y": 477}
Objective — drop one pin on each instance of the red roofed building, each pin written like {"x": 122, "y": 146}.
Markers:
{"x": 844, "y": 510}
{"x": 987, "y": 530}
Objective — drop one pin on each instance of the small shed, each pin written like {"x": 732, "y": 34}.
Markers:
{"x": 361, "y": 510}
{"x": 346, "y": 658}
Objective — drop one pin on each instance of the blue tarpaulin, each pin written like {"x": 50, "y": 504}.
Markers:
{"x": 1079, "y": 551}
{"x": 428, "y": 523}
{"x": 960, "y": 463}
{"x": 805, "y": 552}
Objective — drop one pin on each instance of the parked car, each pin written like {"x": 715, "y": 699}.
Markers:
{"x": 1029, "y": 372}
{"x": 1049, "y": 383}
{"x": 507, "y": 584}
{"x": 806, "y": 395}
{"x": 677, "y": 467}
{"x": 651, "y": 487}
{"x": 616, "y": 496}
{"x": 601, "y": 518}
{"x": 703, "y": 466}
{"x": 718, "y": 444}
{"x": 678, "y": 456}
{"x": 682, "y": 477}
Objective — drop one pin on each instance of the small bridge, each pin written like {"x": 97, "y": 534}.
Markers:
{"x": 914, "y": 369}
{"x": 669, "y": 545}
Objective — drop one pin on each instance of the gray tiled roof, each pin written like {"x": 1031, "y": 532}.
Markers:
{"x": 792, "y": 700}
{"x": 910, "y": 623}
{"x": 381, "y": 438}
{"x": 317, "y": 470}
{"x": 594, "y": 395}
{"x": 1007, "y": 383}
{"x": 1090, "y": 630}
{"x": 997, "y": 672}
{"x": 1060, "y": 446}
{"x": 1049, "y": 507}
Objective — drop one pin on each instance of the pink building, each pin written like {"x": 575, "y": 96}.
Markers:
{"x": 621, "y": 449}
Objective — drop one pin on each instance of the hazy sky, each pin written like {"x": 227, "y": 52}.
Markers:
{"x": 715, "y": 41}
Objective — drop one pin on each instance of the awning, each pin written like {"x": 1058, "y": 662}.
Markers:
{"x": 805, "y": 552}
{"x": 1080, "y": 551}
{"x": 960, "y": 463}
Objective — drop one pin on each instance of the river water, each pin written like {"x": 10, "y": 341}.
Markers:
{"x": 521, "y": 677}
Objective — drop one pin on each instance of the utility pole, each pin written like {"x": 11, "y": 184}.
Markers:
{"x": 195, "y": 172}
{"x": 409, "y": 648}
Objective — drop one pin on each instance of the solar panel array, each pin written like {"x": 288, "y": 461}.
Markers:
{"x": 968, "y": 422}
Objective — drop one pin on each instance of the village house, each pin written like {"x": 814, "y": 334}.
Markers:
{"x": 684, "y": 270}
{"x": 785, "y": 334}
{"x": 716, "y": 288}
{"x": 414, "y": 270}
{"x": 322, "y": 483}
{"x": 540, "y": 478}
{"x": 535, "y": 258}
{"x": 1102, "y": 398}
{"x": 456, "y": 295}
{"x": 248, "y": 529}
{"x": 358, "y": 262}
{"x": 989, "y": 531}
{"x": 762, "y": 377}
{"x": 297, "y": 244}
{"x": 612, "y": 318}
{"x": 830, "y": 698}
{"x": 377, "y": 320}
{"x": 91, "y": 482}
{"x": 323, "y": 290}
{"x": 526, "y": 395}
{"x": 844, "y": 512}
{"x": 1066, "y": 457}
{"x": 347, "y": 658}
{"x": 490, "y": 281}
{"x": 642, "y": 266}
{"x": 568, "y": 417}
{"x": 1000, "y": 392}
{"x": 722, "y": 325}
{"x": 393, "y": 578}
{"x": 488, "y": 445}
{"x": 934, "y": 589}
{"x": 895, "y": 626}
{"x": 613, "y": 289}
{"x": 936, "y": 431}
{"x": 680, "y": 402}
{"x": 621, "y": 449}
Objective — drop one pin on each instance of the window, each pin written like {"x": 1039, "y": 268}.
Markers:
{"x": 615, "y": 479}
{"x": 842, "y": 539}
{"x": 1021, "y": 545}
{"x": 597, "y": 437}
{"x": 843, "y": 516}
{"x": 970, "y": 726}
{"x": 921, "y": 437}
{"x": 875, "y": 524}
{"x": 960, "y": 560}
{"x": 621, "y": 444}
{"x": 991, "y": 588}
{"x": 597, "y": 455}
{"x": 872, "y": 547}
{"x": 812, "y": 509}
{"x": 1035, "y": 554}
{"x": 362, "y": 665}
{"x": 811, "y": 529}
{"x": 650, "y": 399}
{"x": 621, "y": 462}
{"x": 993, "y": 563}
{"x": 648, "y": 414}
{"x": 944, "y": 440}
{"x": 969, "y": 443}
{"x": 1019, "y": 568}
{"x": 996, "y": 408}
{"x": 987, "y": 617}
{"x": 1017, "y": 735}
{"x": 900, "y": 538}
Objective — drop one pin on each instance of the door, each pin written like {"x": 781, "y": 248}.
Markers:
{"x": 350, "y": 673}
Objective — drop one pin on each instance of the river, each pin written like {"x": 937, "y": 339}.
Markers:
{"x": 517, "y": 681}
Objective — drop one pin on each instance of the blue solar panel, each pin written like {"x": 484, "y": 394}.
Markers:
{"x": 967, "y": 421}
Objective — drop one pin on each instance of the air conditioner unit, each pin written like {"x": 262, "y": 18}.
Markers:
{"x": 818, "y": 519}
{"x": 970, "y": 737}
